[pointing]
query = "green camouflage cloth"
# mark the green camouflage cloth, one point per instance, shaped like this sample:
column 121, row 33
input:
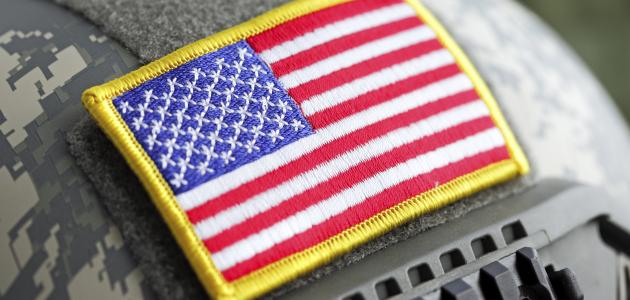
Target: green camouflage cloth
column 56, row 241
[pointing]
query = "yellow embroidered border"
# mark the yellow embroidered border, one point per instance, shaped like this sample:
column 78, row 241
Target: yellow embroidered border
column 97, row 101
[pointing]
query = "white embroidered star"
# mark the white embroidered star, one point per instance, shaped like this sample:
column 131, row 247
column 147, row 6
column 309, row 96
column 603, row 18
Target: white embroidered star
column 257, row 69
column 194, row 132
column 168, row 97
column 239, row 127
column 169, row 144
column 279, row 119
column 238, row 65
column 242, row 110
column 248, row 97
column 252, row 82
column 148, row 95
column 189, row 148
column 178, row 180
column 242, row 53
column 234, row 81
column 270, row 87
column 209, row 154
column 165, row 161
column 227, row 157
column 232, row 141
column 214, row 137
column 216, row 75
column 151, row 141
column 220, row 61
column 224, row 106
column 124, row 106
column 197, row 72
column 162, row 111
column 265, row 102
column 257, row 131
column 275, row 135
column 176, row 130
column 204, row 168
column 137, row 123
column 250, row 146
column 219, row 124
column 284, row 106
column 172, row 83
column 183, row 164
column 297, row 125
column 192, row 86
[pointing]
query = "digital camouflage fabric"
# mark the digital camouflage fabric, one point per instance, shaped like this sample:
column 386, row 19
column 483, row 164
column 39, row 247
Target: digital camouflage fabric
column 57, row 241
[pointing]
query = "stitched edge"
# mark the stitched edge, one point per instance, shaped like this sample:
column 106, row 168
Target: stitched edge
column 299, row 263
column 211, row 43
column 211, row 278
column 257, row 283
column 480, row 86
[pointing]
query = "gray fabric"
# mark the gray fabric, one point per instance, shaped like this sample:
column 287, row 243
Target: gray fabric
column 551, row 109
column 154, row 28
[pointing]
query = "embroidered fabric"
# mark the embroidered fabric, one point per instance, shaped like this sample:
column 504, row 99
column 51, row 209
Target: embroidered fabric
column 211, row 116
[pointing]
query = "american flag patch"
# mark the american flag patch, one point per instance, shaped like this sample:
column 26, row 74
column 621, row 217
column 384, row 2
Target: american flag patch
column 286, row 141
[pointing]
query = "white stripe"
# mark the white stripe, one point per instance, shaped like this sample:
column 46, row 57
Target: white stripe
column 298, row 184
column 357, row 55
column 337, row 204
column 338, row 29
column 220, row 185
column 377, row 80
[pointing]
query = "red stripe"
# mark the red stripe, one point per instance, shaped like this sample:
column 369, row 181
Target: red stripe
column 365, row 210
column 348, row 74
column 345, row 180
column 310, row 56
column 290, row 30
column 362, row 102
column 323, row 154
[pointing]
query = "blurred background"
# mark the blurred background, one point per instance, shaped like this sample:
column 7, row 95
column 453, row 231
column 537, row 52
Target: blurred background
column 599, row 30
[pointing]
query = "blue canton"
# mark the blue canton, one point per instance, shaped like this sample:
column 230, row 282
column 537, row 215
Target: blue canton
column 211, row 115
